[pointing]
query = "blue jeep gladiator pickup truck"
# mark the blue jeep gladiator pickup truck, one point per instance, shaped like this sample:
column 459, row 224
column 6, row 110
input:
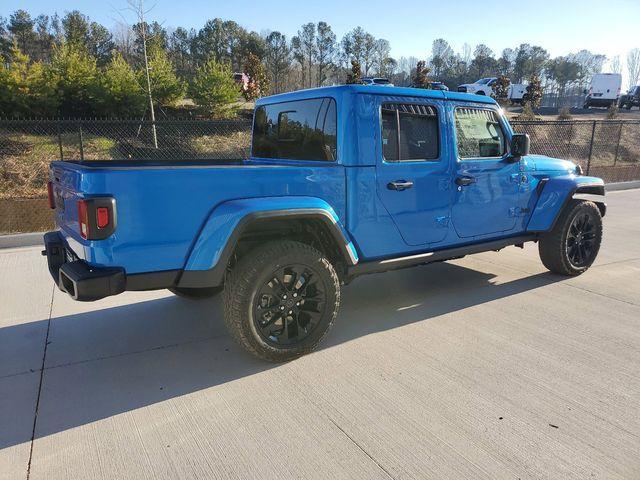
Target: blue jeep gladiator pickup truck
column 341, row 181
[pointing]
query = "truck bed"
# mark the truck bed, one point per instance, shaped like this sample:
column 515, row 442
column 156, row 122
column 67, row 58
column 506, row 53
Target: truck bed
column 162, row 207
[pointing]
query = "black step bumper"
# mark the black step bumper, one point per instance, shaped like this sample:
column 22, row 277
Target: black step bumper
column 76, row 277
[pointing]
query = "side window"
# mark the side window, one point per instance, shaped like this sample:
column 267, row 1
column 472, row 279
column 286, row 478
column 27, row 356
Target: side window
column 300, row 130
column 479, row 133
column 410, row 132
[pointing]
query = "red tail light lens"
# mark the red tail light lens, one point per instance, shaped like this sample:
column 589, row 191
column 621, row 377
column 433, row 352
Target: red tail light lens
column 52, row 200
column 83, row 218
column 102, row 217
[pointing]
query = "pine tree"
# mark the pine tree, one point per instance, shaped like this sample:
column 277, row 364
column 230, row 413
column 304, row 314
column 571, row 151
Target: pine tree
column 213, row 87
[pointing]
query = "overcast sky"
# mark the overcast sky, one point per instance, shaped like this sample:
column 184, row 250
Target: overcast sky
column 561, row 26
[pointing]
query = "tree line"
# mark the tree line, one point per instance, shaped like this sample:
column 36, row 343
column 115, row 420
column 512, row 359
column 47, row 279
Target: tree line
column 73, row 66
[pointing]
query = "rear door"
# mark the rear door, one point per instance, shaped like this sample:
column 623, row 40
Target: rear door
column 413, row 169
column 486, row 179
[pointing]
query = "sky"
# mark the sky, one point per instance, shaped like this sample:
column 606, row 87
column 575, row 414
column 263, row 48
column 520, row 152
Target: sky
column 609, row 27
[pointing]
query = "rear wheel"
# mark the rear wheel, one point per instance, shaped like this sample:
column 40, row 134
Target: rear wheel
column 281, row 299
column 573, row 244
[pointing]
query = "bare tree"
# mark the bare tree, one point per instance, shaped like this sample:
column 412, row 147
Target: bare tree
column 616, row 64
column 137, row 7
column 633, row 67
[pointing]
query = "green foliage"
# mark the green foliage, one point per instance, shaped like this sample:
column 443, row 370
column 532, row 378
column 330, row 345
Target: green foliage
column 213, row 87
column 258, row 81
column 421, row 77
column 74, row 75
column 564, row 71
column 565, row 114
column 166, row 87
column 120, row 93
column 24, row 88
column 533, row 95
column 355, row 76
column 501, row 88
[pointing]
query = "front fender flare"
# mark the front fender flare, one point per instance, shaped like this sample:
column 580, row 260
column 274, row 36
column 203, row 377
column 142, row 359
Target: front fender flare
column 210, row 254
column 557, row 192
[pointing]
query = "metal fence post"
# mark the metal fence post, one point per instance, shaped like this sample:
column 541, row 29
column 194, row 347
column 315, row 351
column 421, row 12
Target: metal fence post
column 593, row 134
column 59, row 140
column 81, row 142
column 615, row 158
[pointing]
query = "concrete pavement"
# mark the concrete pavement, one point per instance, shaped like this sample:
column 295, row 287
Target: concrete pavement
column 484, row 367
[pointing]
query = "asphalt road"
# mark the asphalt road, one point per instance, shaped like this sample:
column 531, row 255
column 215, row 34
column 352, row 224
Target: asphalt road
column 487, row 367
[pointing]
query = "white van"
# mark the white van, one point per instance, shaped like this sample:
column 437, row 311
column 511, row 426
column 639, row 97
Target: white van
column 604, row 90
column 516, row 92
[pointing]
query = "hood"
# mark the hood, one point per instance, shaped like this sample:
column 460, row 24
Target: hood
column 549, row 164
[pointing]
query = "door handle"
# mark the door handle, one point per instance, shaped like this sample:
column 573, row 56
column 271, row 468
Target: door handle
column 465, row 181
column 400, row 185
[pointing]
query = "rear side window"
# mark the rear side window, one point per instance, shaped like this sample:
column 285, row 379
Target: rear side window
column 479, row 133
column 301, row 130
column 409, row 132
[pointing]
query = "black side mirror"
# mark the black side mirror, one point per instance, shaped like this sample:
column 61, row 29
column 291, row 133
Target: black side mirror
column 519, row 145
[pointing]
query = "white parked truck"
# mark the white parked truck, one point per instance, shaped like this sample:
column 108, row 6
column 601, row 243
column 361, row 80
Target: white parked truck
column 516, row 92
column 484, row 86
column 604, row 90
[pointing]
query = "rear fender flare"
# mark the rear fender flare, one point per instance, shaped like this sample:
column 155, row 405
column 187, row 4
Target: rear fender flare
column 210, row 254
column 556, row 194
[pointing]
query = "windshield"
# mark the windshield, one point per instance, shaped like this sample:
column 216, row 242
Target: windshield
column 483, row 81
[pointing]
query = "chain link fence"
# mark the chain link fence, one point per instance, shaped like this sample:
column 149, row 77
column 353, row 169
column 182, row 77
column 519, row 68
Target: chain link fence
column 605, row 148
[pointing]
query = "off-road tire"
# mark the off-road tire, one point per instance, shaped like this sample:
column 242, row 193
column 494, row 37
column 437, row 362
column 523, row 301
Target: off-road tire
column 247, row 277
column 553, row 247
column 195, row 293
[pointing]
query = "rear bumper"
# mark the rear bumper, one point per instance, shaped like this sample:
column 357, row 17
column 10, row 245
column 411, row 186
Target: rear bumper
column 76, row 277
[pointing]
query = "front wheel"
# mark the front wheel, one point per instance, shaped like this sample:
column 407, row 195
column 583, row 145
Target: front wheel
column 573, row 244
column 281, row 299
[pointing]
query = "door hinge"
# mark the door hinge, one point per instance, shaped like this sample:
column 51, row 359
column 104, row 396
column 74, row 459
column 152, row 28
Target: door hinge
column 519, row 178
column 442, row 221
column 519, row 212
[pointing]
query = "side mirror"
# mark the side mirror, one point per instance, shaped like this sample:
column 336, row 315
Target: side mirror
column 519, row 145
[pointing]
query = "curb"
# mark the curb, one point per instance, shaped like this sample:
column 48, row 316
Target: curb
column 612, row 187
column 22, row 240
column 34, row 239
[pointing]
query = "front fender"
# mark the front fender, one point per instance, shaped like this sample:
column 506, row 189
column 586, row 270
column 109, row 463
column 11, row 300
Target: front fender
column 212, row 249
column 557, row 192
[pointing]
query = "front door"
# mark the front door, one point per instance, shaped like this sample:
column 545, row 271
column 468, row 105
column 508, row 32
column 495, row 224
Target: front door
column 413, row 173
column 486, row 179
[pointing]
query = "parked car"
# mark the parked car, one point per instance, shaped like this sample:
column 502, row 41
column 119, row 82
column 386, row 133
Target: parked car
column 341, row 181
column 376, row 81
column 439, row 86
column 630, row 99
column 516, row 92
column 484, row 86
column 603, row 91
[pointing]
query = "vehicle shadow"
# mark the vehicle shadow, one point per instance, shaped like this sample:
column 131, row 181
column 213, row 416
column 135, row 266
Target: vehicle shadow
column 106, row 362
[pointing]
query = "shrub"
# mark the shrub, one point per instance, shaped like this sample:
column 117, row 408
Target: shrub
column 565, row 114
column 421, row 77
column 166, row 87
column 73, row 74
column 533, row 96
column 527, row 113
column 501, row 88
column 213, row 87
column 24, row 88
column 612, row 111
column 355, row 76
column 120, row 94
column 258, row 81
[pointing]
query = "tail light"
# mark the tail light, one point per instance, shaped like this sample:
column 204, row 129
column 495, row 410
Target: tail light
column 97, row 217
column 52, row 200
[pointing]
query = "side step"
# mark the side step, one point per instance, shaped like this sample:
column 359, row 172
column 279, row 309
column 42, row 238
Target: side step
column 387, row 264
